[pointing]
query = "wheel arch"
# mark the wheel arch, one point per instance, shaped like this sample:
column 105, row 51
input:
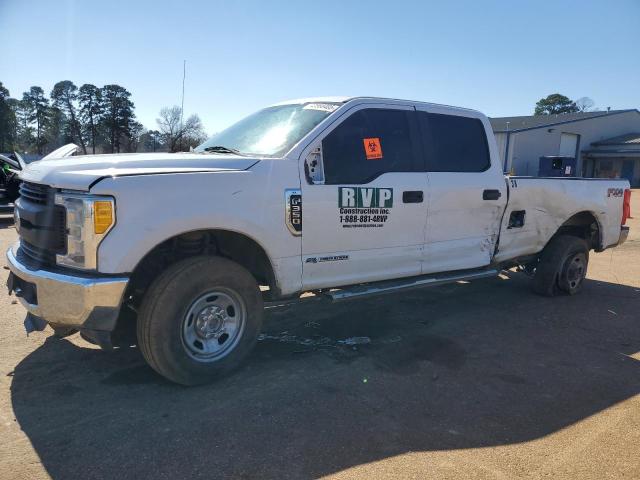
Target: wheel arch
column 584, row 224
column 237, row 246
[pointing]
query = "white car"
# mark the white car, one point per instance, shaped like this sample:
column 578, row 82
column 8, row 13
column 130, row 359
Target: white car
column 343, row 197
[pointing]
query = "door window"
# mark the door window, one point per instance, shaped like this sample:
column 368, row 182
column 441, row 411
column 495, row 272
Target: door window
column 454, row 143
column 367, row 144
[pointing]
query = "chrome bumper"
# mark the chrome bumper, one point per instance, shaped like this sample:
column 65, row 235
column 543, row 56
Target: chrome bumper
column 624, row 233
column 82, row 301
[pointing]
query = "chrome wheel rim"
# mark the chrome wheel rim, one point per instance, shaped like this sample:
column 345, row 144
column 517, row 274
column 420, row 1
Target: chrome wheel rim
column 213, row 325
column 575, row 271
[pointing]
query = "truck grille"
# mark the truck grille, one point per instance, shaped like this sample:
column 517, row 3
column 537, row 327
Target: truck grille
column 43, row 231
column 38, row 255
column 34, row 192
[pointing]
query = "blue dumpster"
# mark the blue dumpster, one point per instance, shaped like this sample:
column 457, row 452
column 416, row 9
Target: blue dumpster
column 557, row 166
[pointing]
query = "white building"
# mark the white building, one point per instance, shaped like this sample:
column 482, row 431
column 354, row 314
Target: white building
column 605, row 144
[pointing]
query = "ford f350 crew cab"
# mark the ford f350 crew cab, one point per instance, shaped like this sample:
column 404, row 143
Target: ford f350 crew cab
column 343, row 197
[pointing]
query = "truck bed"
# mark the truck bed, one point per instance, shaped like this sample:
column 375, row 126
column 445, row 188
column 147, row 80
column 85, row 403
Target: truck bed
column 549, row 202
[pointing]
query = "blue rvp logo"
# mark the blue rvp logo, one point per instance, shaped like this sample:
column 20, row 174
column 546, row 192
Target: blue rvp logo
column 361, row 197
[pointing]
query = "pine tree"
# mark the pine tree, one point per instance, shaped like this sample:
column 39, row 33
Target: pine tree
column 90, row 100
column 7, row 121
column 555, row 103
column 63, row 97
column 117, row 115
column 37, row 107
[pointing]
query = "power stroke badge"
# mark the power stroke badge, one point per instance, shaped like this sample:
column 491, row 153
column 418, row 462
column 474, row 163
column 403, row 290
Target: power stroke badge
column 364, row 207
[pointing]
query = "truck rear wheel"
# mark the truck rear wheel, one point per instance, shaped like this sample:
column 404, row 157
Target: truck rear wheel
column 199, row 319
column 562, row 267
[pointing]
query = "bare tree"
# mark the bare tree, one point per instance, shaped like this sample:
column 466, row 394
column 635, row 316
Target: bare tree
column 585, row 104
column 176, row 133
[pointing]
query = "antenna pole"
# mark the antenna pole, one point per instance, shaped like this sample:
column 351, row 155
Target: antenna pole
column 184, row 74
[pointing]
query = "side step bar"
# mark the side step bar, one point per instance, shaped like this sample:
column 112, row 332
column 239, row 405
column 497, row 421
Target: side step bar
column 391, row 286
column 385, row 286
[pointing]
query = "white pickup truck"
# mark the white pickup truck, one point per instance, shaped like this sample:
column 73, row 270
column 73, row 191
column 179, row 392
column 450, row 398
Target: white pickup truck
column 343, row 197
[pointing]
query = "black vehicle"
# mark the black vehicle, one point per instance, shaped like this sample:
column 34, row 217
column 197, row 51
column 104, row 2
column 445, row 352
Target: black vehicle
column 10, row 169
column 12, row 164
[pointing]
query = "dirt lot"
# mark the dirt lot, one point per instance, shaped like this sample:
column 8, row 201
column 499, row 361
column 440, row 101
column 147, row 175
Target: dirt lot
column 481, row 380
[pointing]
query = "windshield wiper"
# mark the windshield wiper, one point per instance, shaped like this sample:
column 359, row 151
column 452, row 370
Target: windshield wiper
column 222, row 149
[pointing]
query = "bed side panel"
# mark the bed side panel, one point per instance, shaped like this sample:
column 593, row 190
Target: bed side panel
column 550, row 202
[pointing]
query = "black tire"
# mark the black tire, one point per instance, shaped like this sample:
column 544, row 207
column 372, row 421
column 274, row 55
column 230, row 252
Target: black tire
column 162, row 320
column 562, row 266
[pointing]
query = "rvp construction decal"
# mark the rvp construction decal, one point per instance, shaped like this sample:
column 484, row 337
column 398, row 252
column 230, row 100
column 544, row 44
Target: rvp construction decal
column 362, row 197
column 364, row 207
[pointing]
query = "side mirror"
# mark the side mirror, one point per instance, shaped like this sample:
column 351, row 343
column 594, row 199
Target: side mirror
column 313, row 167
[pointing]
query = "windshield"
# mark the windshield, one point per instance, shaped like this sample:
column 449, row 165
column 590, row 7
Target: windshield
column 271, row 131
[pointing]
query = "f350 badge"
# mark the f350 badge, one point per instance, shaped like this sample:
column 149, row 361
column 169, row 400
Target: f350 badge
column 293, row 210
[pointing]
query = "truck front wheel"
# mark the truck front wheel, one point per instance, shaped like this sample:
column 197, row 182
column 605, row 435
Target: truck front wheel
column 562, row 266
column 199, row 319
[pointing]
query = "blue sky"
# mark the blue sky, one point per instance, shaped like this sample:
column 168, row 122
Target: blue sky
column 499, row 57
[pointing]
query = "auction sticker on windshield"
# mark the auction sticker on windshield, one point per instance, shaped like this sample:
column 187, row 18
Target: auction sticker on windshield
column 323, row 107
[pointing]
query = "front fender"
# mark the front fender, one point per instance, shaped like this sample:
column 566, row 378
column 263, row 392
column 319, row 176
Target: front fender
column 153, row 208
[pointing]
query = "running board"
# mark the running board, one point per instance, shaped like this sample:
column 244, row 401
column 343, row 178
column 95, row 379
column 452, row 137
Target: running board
column 391, row 286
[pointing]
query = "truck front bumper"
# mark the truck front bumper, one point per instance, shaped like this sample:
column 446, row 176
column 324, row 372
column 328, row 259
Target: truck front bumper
column 80, row 301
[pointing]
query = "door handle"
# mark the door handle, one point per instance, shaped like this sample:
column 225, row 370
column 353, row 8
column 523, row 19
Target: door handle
column 412, row 196
column 491, row 195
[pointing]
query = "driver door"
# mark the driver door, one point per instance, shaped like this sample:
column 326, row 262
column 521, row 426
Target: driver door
column 363, row 196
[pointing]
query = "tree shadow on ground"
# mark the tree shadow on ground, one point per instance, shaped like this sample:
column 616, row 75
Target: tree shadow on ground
column 460, row 366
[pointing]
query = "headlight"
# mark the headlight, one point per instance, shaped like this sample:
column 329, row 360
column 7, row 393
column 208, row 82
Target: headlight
column 89, row 219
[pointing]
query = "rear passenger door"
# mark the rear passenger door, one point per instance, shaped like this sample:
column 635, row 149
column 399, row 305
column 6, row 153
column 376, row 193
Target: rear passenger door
column 467, row 194
column 364, row 210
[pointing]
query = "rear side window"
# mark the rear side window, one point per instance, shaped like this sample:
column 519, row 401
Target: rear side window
column 367, row 144
column 454, row 143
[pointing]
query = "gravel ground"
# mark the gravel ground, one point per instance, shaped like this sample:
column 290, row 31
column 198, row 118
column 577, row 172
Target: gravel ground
column 479, row 380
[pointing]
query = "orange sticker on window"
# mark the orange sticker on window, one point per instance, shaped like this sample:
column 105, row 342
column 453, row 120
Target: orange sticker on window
column 372, row 148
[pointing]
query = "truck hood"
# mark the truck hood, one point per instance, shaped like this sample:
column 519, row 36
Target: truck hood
column 79, row 173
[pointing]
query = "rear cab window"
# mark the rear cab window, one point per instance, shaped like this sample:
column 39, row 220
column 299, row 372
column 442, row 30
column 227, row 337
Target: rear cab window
column 454, row 143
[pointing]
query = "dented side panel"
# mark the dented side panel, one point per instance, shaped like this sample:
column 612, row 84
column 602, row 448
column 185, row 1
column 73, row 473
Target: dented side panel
column 549, row 203
column 463, row 223
column 462, row 228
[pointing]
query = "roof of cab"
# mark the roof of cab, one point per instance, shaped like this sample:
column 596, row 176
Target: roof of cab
column 343, row 99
